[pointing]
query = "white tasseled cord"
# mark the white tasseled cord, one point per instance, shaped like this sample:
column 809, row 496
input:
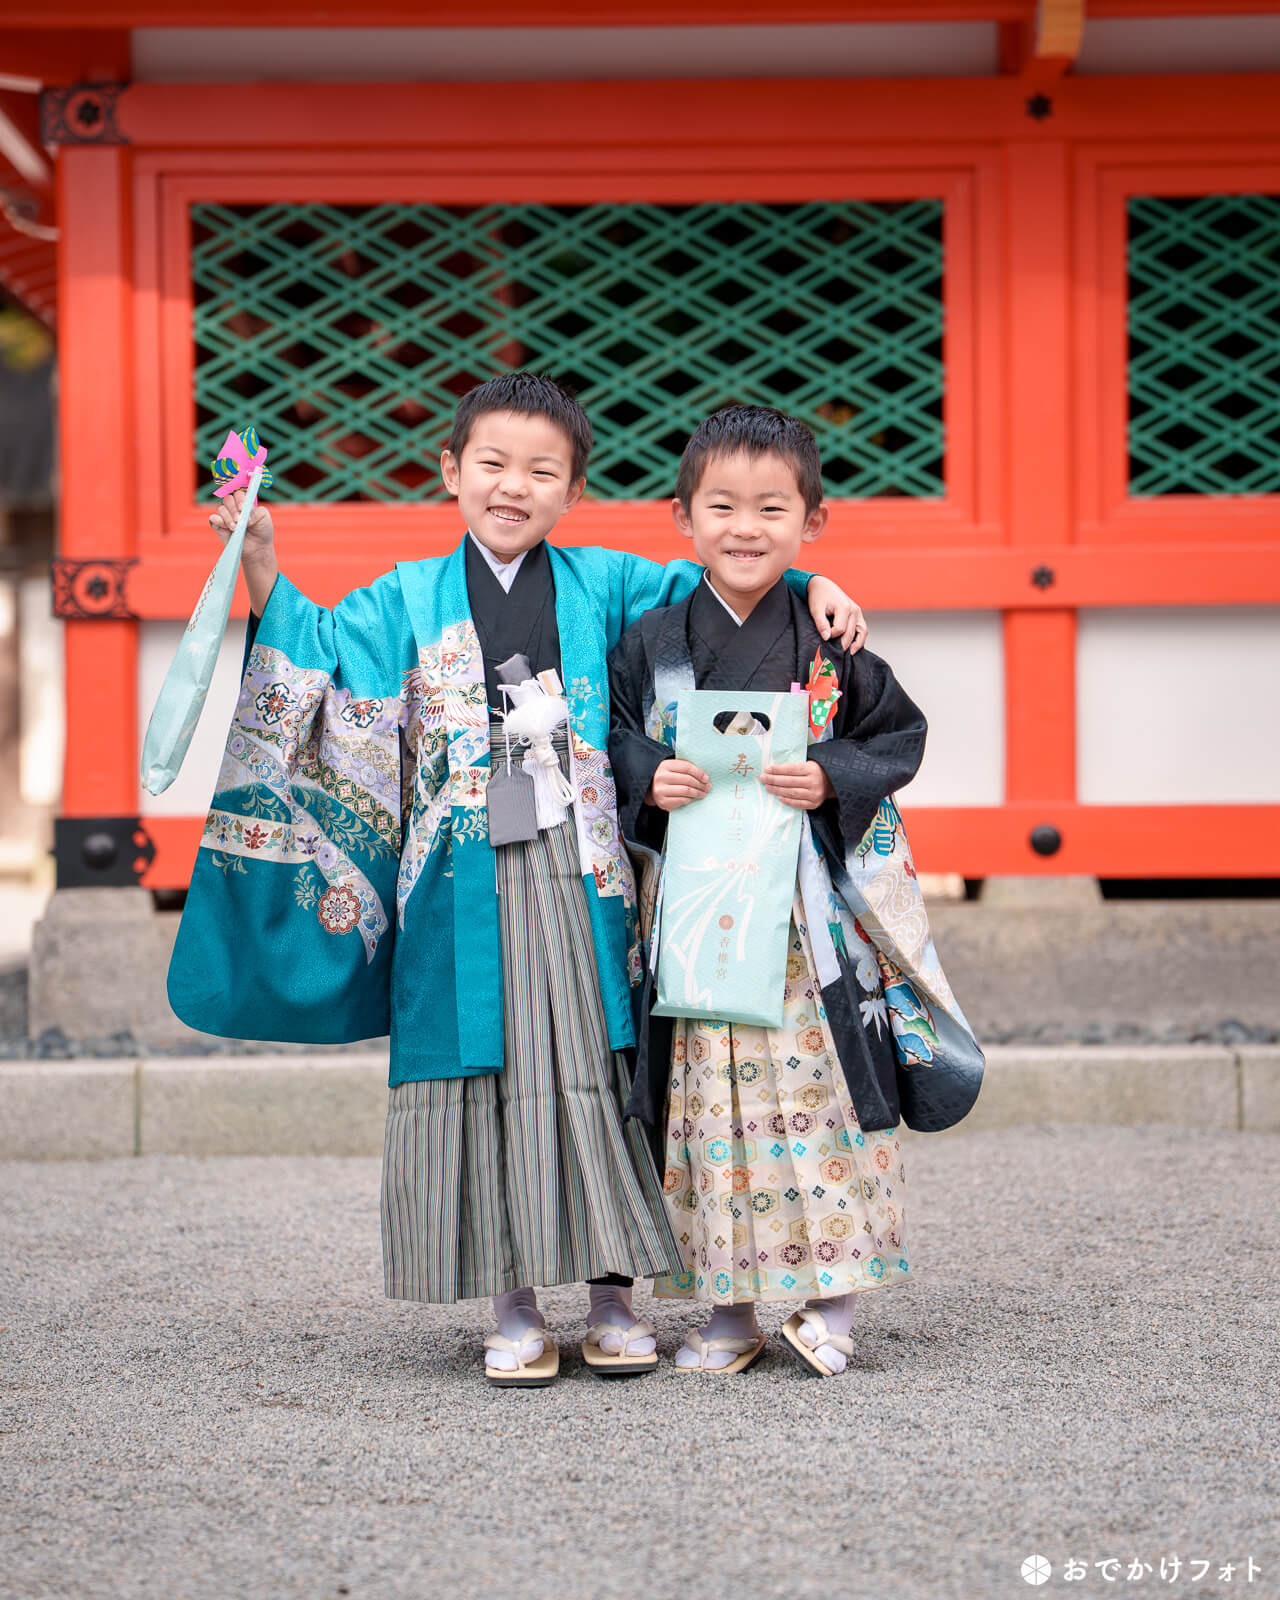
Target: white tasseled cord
column 532, row 718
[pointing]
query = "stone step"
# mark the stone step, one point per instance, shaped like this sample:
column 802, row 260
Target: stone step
column 331, row 1105
column 1044, row 972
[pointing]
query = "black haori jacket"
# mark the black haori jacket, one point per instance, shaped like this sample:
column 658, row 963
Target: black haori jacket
column 903, row 1044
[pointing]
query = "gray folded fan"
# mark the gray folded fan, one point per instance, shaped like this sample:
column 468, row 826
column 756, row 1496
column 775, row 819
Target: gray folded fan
column 186, row 684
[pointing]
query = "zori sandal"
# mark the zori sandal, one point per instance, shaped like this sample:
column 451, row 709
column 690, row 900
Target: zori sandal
column 745, row 1352
column 622, row 1365
column 809, row 1353
column 535, row 1374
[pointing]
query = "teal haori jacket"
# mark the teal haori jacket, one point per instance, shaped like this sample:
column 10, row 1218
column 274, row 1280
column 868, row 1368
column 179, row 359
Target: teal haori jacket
column 345, row 884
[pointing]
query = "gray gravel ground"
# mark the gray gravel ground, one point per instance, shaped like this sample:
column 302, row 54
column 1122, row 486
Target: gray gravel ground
column 204, row 1394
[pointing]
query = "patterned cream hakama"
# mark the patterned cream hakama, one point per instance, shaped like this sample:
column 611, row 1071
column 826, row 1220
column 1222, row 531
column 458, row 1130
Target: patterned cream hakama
column 526, row 1177
column 773, row 1190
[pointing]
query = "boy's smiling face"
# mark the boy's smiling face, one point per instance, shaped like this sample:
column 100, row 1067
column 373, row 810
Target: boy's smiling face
column 747, row 520
column 513, row 480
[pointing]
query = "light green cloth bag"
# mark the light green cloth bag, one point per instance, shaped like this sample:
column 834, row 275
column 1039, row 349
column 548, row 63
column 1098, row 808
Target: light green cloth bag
column 186, row 684
column 730, row 876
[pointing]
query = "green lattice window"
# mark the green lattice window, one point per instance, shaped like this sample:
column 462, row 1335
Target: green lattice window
column 1204, row 345
column 346, row 334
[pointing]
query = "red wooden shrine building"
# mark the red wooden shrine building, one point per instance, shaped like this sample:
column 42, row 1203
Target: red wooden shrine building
column 1018, row 264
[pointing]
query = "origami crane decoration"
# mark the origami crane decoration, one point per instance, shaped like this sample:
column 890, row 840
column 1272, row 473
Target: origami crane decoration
column 241, row 465
column 822, row 692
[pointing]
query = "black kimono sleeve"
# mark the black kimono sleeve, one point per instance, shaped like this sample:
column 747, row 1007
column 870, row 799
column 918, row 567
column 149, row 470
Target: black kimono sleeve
column 635, row 758
column 875, row 750
column 633, row 755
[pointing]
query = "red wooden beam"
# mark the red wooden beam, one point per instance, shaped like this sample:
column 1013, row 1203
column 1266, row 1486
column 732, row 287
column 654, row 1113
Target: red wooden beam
column 503, row 13
column 694, row 125
column 86, row 15
column 883, row 577
column 62, row 55
column 981, row 841
column 1227, row 841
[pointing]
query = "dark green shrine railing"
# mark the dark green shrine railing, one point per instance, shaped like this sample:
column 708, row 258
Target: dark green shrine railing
column 1204, row 345
column 347, row 333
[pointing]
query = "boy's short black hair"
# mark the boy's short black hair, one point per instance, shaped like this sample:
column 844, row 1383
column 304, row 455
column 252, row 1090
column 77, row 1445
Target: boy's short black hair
column 528, row 394
column 752, row 431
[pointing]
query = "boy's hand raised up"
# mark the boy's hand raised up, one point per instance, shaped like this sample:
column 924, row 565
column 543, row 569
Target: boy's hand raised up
column 675, row 784
column 259, row 560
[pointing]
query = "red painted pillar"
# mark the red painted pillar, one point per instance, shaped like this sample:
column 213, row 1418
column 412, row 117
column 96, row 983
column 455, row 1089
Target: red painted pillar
column 1039, row 642
column 97, row 467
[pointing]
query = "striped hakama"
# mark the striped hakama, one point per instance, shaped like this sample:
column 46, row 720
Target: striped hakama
column 528, row 1176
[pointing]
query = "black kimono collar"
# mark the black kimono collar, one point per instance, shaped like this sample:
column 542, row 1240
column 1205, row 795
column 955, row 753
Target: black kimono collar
column 671, row 644
column 483, row 584
column 772, row 610
column 518, row 621
column 729, row 655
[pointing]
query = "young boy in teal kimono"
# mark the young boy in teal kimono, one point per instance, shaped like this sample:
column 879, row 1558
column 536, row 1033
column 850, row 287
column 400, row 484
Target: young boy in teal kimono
column 347, row 887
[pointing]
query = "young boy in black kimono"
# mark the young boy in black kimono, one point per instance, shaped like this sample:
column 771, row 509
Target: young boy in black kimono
column 783, row 1167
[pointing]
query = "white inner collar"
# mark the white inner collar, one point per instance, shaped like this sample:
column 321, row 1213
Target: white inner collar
column 503, row 571
column 706, row 578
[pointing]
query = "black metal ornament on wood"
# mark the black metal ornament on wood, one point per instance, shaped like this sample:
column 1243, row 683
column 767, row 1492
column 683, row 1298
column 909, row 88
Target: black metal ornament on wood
column 92, row 589
column 82, row 114
column 101, row 852
column 1046, row 840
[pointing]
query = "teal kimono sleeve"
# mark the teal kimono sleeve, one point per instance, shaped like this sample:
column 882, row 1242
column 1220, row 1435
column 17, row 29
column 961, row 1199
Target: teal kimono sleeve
column 286, row 932
column 646, row 585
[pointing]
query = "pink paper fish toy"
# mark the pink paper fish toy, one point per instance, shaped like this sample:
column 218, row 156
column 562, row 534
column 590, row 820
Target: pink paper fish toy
column 240, row 454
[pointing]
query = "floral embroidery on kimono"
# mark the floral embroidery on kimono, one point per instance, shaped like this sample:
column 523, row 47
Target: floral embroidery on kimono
column 332, row 791
column 356, row 775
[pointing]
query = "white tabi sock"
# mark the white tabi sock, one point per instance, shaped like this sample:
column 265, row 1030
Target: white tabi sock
column 609, row 1303
column 517, row 1314
column 727, row 1322
column 838, row 1316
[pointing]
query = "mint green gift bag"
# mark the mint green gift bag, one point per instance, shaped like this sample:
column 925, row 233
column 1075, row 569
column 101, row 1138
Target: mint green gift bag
column 186, row 684
column 727, row 891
